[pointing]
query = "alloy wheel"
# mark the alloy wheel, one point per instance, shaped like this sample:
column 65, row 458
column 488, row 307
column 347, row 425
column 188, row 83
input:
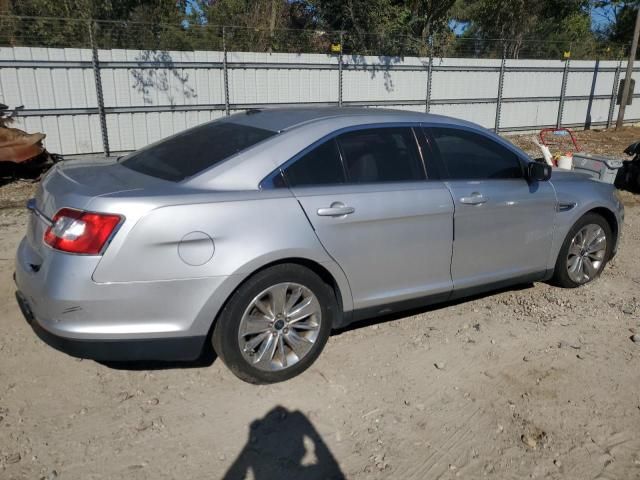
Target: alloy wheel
column 280, row 326
column 586, row 253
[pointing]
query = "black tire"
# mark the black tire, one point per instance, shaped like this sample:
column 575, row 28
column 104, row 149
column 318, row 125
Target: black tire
column 561, row 276
column 225, row 334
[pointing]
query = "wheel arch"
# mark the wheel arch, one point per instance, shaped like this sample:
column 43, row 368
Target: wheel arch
column 604, row 215
column 335, row 279
column 312, row 265
column 610, row 218
column 566, row 220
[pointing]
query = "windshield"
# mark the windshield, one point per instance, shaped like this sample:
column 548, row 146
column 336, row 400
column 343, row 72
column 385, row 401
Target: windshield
column 194, row 150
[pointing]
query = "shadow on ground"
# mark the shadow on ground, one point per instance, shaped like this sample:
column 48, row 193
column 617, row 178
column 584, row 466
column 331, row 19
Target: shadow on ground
column 206, row 359
column 282, row 445
column 208, row 356
column 429, row 308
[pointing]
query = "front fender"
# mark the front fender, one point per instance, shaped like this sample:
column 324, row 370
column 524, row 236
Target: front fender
column 577, row 198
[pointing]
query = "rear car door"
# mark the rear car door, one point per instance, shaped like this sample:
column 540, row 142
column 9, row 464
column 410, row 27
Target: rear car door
column 389, row 228
column 503, row 224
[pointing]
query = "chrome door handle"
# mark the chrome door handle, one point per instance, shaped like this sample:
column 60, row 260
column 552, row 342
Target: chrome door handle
column 336, row 209
column 475, row 199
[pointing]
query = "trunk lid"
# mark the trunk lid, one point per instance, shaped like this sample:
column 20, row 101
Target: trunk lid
column 74, row 184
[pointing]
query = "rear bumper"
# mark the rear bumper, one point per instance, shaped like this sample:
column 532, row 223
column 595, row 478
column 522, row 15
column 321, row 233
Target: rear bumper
column 114, row 350
column 165, row 320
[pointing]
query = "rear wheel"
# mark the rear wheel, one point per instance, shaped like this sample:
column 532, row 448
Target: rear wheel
column 276, row 324
column 585, row 252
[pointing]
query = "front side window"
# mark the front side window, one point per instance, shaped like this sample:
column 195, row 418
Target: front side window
column 381, row 155
column 194, row 150
column 471, row 156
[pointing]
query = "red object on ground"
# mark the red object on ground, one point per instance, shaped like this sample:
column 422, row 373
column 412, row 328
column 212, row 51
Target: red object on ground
column 554, row 136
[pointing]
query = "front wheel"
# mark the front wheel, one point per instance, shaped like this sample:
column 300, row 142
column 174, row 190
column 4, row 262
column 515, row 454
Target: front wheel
column 585, row 251
column 276, row 324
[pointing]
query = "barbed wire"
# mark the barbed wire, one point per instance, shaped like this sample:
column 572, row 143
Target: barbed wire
column 26, row 31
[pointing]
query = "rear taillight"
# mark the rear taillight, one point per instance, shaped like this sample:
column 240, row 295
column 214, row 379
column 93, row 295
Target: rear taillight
column 76, row 231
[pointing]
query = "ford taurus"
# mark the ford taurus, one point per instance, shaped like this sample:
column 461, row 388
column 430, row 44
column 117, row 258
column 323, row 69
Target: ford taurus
column 263, row 231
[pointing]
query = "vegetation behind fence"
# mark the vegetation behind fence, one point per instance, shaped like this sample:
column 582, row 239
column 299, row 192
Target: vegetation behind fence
column 110, row 34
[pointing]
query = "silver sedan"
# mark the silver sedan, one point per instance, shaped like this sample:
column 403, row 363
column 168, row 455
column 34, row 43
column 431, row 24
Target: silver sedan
column 263, row 231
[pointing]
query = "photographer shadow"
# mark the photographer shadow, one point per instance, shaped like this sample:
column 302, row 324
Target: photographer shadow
column 284, row 444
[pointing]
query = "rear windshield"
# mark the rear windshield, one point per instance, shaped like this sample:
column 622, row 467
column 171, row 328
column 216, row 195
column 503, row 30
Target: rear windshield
column 194, row 150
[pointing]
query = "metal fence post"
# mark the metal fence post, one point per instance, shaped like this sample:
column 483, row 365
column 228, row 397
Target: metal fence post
column 565, row 75
column 427, row 102
column 496, row 127
column 95, row 61
column 614, row 93
column 594, row 79
column 225, row 72
column 340, row 71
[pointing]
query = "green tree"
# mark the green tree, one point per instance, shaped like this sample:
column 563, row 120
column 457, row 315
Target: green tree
column 391, row 27
column 64, row 23
column 261, row 25
column 545, row 28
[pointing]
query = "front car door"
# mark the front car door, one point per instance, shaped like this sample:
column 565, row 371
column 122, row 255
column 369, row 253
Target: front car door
column 503, row 224
column 366, row 195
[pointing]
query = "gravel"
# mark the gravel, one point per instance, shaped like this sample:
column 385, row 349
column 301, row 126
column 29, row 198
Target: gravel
column 374, row 406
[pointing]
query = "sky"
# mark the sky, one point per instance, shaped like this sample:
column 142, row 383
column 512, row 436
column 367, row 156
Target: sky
column 600, row 17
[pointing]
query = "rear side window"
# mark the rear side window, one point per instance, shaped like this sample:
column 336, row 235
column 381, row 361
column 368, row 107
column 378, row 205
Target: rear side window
column 470, row 156
column 194, row 150
column 381, row 155
column 320, row 166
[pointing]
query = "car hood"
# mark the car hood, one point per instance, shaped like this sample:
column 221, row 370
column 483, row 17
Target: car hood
column 561, row 175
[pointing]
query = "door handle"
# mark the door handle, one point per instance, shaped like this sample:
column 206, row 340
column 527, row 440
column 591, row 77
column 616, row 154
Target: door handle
column 475, row 199
column 337, row 209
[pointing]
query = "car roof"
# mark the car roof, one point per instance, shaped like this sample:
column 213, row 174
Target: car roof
column 280, row 119
column 298, row 128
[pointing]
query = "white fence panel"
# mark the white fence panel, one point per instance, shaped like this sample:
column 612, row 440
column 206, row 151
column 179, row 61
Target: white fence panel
column 148, row 95
column 480, row 113
column 371, row 78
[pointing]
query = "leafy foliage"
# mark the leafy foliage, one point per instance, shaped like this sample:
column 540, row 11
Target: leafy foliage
column 517, row 28
column 545, row 28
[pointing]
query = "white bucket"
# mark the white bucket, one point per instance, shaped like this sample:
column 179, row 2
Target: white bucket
column 565, row 162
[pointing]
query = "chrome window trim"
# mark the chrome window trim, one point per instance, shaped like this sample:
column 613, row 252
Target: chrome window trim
column 267, row 182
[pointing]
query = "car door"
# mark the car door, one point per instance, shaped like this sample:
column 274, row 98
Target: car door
column 386, row 225
column 503, row 224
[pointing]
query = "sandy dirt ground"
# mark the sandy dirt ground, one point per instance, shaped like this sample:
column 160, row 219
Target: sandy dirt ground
column 531, row 382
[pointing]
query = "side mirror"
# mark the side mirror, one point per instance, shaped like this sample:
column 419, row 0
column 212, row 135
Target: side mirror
column 538, row 172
